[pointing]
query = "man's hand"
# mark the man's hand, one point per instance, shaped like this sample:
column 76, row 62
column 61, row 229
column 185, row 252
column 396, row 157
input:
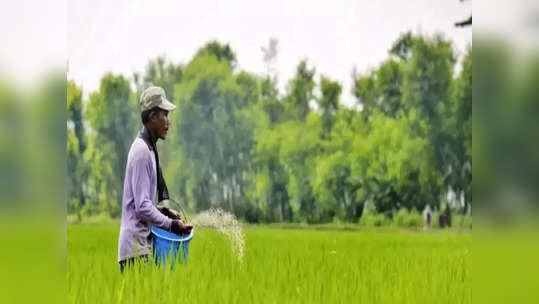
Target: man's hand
column 174, row 215
column 170, row 213
column 178, row 227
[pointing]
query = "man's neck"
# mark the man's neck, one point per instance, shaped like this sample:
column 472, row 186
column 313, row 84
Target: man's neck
column 153, row 138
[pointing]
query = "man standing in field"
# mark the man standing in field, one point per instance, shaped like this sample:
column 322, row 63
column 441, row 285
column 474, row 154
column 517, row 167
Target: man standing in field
column 144, row 185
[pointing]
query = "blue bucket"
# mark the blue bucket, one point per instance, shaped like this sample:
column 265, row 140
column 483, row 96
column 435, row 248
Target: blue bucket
column 168, row 245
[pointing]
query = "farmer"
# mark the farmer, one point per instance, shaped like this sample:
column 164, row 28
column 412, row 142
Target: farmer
column 144, row 185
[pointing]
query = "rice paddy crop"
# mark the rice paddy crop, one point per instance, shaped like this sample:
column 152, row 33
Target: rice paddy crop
column 279, row 266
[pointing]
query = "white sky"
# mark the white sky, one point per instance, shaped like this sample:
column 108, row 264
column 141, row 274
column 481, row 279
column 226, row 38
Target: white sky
column 513, row 21
column 33, row 39
column 335, row 36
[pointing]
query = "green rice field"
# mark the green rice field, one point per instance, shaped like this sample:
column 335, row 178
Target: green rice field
column 279, row 266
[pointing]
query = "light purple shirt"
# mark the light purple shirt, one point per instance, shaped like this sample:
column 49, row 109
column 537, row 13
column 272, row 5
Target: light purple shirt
column 138, row 205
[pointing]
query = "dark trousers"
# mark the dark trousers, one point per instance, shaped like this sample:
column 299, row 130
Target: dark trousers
column 133, row 261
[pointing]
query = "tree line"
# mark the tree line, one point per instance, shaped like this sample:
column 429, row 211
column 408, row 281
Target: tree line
column 238, row 142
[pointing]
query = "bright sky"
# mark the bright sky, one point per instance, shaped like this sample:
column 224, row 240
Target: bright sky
column 335, row 36
column 33, row 39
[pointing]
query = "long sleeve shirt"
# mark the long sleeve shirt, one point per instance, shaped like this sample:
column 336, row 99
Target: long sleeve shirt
column 138, row 204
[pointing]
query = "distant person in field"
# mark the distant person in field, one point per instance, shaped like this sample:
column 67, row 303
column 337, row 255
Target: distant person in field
column 144, row 185
column 427, row 217
column 444, row 219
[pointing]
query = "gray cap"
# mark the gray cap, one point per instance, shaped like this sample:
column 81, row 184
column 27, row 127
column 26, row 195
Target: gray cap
column 155, row 97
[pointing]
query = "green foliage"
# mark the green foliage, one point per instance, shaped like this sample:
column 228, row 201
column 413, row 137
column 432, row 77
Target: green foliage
column 76, row 146
column 222, row 52
column 159, row 72
column 428, row 75
column 460, row 129
column 237, row 143
column 371, row 218
column 402, row 48
column 380, row 90
column 463, row 221
column 301, row 92
column 111, row 115
column 329, row 102
column 392, row 166
column 417, row 87
column 214, row 132
column 408, row 219
column 298, row 149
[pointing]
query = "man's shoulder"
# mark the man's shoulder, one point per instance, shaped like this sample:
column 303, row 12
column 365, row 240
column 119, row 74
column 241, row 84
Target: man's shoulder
column 139, row 149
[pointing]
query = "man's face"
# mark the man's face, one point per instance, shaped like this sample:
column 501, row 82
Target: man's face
column 159, row 123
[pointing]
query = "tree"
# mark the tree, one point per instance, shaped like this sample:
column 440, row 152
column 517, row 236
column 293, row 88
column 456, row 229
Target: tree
column 301, row 91
column 391, row 165
column 269, row 99
column 426, row 99
column 364, row 91
column 159, row 72
column 403, row 47
column 329, row 103
column 333, row 185
column 299, row 146
column 460, row 130
column 76, row 146
column 214, row 130
column 271, row 179
column 380, row 89
column 238, row 144
column 223, row 52
column 112, row 117
column 464, row 23
column 270, row 55
column 388, row 88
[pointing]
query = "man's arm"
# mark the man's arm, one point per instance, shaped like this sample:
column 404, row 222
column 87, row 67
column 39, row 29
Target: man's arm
column 140, row 183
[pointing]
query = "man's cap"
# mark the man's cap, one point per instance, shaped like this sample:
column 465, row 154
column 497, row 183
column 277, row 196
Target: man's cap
column 155, row 97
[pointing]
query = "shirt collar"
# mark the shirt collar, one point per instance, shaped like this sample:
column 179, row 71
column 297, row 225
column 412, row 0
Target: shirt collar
column 148, row 138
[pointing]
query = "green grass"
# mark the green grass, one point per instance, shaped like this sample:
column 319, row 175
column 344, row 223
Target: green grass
column 280, row 266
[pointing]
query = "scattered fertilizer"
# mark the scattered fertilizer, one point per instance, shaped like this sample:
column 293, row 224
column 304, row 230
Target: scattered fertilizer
column 227, row 224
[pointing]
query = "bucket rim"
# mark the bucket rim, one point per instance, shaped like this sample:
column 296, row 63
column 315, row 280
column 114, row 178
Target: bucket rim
column 180, row 239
